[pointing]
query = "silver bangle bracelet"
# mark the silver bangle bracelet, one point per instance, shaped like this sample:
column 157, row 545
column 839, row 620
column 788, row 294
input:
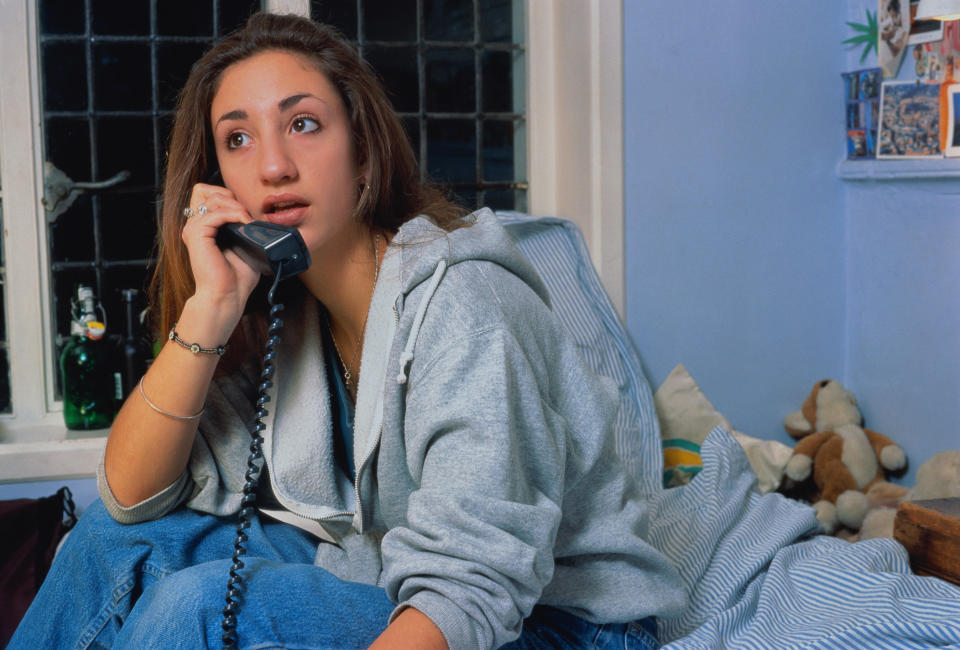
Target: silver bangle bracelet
column 183, row 418
column 195, row 348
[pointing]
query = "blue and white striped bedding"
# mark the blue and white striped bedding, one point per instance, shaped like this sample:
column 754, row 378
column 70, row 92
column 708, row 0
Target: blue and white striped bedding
column 757, row 573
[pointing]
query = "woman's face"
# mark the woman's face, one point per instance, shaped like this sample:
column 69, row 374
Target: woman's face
column 285, row 150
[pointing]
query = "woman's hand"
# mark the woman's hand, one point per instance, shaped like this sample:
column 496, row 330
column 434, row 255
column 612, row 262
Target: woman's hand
column 221, row 277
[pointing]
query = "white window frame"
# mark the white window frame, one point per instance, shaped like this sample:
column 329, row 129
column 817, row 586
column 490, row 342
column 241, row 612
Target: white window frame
column 574, row 169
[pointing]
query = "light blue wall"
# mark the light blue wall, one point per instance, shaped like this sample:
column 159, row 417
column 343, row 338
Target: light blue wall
column 748, row 260
column 904, row 311
column 735, row 230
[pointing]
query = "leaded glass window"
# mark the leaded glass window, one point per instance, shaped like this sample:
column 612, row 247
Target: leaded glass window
column 454, row 70
column 110, row 71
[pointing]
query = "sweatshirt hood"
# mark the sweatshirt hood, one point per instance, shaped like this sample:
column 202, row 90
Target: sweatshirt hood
column 426, row 248
column 428, row 251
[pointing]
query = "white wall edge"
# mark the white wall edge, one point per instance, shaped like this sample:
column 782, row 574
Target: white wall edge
column 575, row 125
column 299, row 7
column 50, row 460
column 23, row 215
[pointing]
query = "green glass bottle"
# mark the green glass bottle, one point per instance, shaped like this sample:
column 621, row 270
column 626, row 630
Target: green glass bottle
column 86, row 369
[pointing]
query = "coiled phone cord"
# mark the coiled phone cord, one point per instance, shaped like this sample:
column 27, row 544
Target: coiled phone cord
column 247, row 503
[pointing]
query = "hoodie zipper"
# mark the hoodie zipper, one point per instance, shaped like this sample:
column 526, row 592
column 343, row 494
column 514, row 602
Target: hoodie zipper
column 370, row 448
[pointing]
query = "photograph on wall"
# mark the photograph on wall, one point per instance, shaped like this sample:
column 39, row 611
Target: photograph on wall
column 860, row 144
column 894, row 31
column 909, row 120
column 923, row 31
column 869, row 83
column 863, row 113
column 953, row 114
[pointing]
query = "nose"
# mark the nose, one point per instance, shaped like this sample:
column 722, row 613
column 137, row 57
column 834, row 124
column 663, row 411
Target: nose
column 276, row 163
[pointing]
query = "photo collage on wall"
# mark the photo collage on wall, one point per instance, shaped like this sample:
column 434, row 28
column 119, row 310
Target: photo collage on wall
column 908, row 113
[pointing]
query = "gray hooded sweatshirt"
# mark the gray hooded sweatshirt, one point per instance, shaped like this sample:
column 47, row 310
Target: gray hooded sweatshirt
column 486, row 476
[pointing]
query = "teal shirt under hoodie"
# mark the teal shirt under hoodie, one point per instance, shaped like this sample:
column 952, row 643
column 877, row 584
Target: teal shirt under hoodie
column 487, row 480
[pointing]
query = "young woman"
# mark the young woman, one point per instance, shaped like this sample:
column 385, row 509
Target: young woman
column 438, row 465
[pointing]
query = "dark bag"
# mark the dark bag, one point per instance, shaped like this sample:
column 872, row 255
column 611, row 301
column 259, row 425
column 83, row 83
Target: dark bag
column 30, row 530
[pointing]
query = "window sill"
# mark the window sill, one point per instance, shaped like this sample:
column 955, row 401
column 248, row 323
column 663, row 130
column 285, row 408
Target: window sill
column 52, row 456
column 899, row 170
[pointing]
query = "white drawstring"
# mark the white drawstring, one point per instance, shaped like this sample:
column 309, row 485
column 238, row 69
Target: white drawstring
column 406, row 357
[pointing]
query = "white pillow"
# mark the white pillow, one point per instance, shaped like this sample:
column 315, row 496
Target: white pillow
column 685, row 414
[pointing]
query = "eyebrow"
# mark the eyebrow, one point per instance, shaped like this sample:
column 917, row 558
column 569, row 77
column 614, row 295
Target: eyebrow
column 283, row 105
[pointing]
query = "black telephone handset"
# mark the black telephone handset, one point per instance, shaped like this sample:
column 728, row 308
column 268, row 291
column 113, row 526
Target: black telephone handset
column 277, row 251
column 280, row 252
column 263, row 245
column 266, row 247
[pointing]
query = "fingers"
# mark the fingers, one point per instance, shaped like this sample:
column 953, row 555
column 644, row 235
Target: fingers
column 209, row 208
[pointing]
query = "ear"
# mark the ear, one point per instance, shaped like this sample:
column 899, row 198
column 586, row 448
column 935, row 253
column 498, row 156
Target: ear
column 797, row 425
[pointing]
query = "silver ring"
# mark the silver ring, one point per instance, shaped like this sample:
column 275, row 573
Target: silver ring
column 202, row 209
column 188, row 212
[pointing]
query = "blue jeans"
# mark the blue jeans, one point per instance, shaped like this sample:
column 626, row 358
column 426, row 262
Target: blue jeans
column 162, row 584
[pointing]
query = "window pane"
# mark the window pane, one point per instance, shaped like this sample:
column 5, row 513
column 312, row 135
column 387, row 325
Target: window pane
column 128, row 221
column 67, row 145
column 498, row 82
column 397, row 67
column 448, row 20
column 71, row 235
column 128, row 63
column 234, row 13
column 65, row 84
column 389, row 20
column 451, row 80
column 498, row 151
column 452, row 151
column 498, row 20
column 185, row 17
column 412, row 127
column 126, row 143
column 427, row 84
column 120, row 17
column 62, row 17
column 174, row 61
column 341, row 14
column 505, row 200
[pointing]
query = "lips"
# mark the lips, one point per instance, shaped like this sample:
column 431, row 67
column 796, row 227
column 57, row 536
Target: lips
column 285, row 209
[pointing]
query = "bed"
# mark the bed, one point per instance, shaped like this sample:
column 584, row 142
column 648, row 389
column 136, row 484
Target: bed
column 758, row 573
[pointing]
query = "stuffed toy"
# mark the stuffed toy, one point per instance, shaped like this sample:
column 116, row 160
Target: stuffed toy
column 842, row 459
column 937, row 478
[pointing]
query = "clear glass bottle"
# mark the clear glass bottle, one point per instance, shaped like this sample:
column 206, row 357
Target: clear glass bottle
column 133, row 351
column 86, row 369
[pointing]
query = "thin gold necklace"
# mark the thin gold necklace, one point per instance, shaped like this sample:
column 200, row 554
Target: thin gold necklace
column 348, row 370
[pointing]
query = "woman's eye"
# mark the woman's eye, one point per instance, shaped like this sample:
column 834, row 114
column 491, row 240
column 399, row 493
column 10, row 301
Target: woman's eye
column 236, row 140
column 304, row 125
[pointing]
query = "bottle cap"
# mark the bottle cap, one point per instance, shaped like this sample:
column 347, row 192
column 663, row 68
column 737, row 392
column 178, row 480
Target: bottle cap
column 95, row 330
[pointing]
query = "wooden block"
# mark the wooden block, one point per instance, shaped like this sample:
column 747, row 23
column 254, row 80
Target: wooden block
column 930, row 531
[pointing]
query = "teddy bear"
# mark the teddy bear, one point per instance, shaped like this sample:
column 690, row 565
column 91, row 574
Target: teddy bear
column 843, row 459
column 937, row 478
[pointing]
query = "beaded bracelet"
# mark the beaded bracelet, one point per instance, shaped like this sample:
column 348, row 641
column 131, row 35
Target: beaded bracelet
column 162, row 412
column 195, row 348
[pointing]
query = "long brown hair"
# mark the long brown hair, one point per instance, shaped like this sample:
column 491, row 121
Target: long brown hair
column 394, row 192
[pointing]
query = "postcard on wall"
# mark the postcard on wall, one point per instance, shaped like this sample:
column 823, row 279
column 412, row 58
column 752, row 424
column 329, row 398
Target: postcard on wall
column 952, row 117
column 909, row 120
column 894, row 31
column 923, row 31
